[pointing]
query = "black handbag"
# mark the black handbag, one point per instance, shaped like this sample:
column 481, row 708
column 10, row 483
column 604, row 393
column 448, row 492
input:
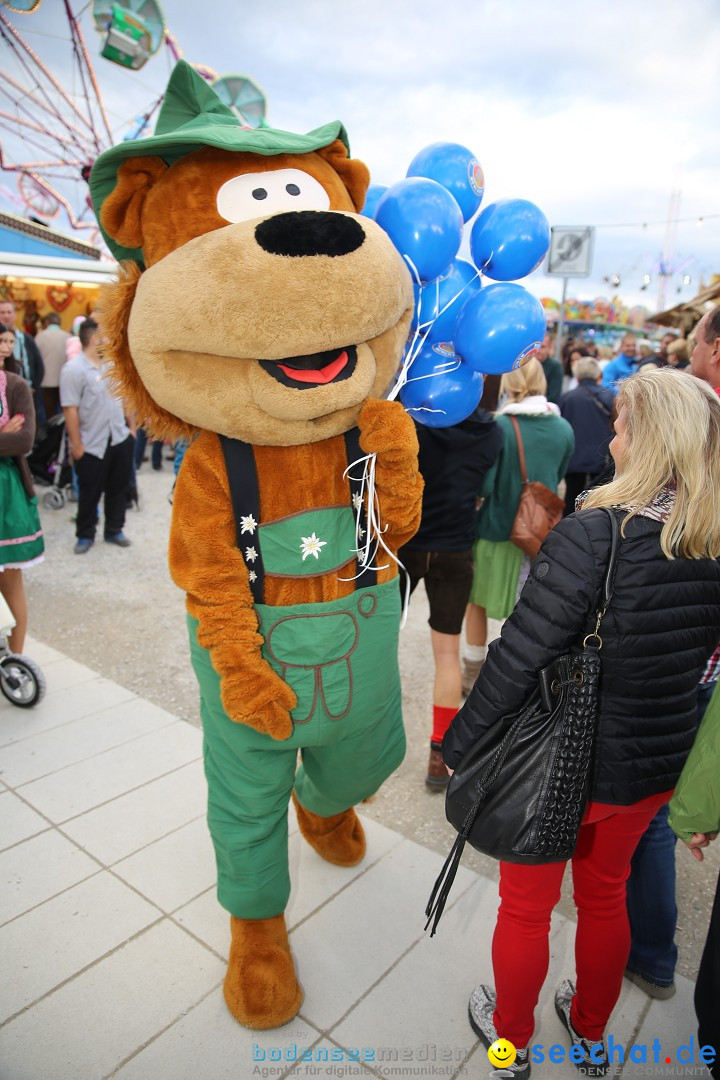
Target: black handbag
column 519, row 794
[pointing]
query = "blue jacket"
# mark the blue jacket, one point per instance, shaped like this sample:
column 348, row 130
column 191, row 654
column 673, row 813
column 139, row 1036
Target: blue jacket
column 617, row 370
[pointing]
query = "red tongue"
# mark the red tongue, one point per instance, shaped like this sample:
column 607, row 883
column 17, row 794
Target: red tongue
column 319, row 375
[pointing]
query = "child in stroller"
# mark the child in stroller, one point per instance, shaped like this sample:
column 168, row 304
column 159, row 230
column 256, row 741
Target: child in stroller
column 49, row 463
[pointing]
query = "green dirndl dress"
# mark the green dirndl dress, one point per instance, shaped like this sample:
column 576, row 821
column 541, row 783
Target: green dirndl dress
column 21, row 538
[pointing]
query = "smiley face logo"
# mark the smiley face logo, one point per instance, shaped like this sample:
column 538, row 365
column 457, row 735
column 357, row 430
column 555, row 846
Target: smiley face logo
column 502, row 1053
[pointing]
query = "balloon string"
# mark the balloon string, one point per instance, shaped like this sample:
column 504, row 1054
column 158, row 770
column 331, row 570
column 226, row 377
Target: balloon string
column 417, row 343
column 442, row 369
column 425, row 408
column 367, row 552
column 451, row 302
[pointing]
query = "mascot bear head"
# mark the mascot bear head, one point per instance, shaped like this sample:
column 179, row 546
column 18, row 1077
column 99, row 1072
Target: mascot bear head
column 254, row 300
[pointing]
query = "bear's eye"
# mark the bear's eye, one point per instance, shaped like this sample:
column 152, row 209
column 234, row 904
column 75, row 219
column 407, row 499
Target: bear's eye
column 254, row 195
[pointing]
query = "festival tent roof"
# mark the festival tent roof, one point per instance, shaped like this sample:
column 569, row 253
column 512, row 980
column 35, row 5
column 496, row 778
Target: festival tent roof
column 685, row 316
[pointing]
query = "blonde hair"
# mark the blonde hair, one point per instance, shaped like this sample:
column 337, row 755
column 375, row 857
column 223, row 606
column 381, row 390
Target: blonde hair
column 524, row 381
column 673, row 435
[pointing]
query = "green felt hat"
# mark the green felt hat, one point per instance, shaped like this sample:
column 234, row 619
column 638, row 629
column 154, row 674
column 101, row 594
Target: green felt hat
column 193, row 116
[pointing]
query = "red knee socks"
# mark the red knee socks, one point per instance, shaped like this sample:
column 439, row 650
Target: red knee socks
column 442, row 718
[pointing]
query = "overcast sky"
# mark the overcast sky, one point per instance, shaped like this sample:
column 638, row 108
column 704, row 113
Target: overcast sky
column 596, row 111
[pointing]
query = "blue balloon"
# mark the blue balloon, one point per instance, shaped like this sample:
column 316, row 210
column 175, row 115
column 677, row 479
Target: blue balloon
column 450, row 393
column 374, row 194
column 455, row 287
column 500, row 328
column 424, row 222
column 509, row 239
column 457, row 169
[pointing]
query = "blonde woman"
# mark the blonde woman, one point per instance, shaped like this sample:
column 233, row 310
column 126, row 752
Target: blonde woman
column 548, row 442
column 662, row 625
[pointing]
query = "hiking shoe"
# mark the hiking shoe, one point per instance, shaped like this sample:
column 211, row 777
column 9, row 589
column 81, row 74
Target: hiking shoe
column 83, row 545
column 481, row 1008
column 470, row 671
column 595, row 1062
column 119, row 539
column 438, row 777
column 653, row 990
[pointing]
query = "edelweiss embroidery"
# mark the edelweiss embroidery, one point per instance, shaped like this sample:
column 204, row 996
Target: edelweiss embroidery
column 312, row 545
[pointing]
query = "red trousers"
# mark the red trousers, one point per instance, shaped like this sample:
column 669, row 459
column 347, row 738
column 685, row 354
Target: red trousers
column 600, row 868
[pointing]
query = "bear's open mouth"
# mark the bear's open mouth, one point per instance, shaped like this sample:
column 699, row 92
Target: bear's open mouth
column 313, row 369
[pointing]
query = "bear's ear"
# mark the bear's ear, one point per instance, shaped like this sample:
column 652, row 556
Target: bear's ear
column 354, row 173
column 120, row 215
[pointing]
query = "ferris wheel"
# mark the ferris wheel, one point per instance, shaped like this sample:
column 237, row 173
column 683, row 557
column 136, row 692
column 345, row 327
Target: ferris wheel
column 54, row 116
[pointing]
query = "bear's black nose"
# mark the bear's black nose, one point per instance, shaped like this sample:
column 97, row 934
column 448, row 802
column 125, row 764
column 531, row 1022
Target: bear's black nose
column 309, row 232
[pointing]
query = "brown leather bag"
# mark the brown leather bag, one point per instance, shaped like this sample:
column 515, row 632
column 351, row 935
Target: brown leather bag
column 538, row 510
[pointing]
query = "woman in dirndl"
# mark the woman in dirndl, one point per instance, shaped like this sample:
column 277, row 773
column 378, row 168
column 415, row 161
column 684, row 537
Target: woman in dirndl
column 500, row 566
column 21, row 539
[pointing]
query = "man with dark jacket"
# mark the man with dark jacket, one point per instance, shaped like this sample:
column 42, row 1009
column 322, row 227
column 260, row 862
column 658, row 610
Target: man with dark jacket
column 552, row 370
column 453, row 462
column 26, row 351
column 588, row 409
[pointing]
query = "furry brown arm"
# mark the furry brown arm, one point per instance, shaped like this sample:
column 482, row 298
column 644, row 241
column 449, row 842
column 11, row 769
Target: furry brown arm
column 387, row 430
column 206, row 563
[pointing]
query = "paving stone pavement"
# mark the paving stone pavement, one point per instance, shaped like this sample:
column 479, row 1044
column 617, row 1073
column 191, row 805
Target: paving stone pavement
column 114, row 946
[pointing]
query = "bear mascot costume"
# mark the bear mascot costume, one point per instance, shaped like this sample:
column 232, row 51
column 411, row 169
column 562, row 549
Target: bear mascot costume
column 260, row 317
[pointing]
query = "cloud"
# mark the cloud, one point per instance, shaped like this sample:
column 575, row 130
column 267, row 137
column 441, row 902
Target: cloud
column 597, row 110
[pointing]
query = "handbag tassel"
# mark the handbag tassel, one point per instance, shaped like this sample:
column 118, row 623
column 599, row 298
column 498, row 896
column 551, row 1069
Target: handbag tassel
column 446, row 877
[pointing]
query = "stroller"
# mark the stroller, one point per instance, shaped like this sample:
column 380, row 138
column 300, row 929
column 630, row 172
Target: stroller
column 21, row 680
column 49, row 463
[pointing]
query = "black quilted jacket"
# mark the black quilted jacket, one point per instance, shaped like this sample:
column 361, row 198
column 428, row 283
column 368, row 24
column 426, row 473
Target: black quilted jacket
column 661, row 627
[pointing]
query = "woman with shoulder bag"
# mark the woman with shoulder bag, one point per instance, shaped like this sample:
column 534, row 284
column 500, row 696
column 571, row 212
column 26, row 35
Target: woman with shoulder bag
column 547, row 445
column 662, row 624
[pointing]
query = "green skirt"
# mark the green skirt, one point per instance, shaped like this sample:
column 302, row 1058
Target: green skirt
column 21, row 539
column 495, row 581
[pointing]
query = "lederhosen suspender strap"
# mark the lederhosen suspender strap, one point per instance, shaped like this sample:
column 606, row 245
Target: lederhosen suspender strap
column 354, row 453
column 245, row 497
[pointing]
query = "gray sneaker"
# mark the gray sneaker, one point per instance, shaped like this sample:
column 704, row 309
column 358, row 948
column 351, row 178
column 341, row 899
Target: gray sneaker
column 595, row 1062
column 480, row 1014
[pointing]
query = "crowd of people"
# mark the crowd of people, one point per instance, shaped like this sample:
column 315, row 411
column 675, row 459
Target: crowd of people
column 638, row 433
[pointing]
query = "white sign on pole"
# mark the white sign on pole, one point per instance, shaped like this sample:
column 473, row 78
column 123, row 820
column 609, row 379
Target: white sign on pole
column 571, row 250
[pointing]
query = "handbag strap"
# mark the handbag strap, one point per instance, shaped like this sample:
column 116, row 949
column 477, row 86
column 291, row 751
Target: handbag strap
column 521, row 449
column 608, row 581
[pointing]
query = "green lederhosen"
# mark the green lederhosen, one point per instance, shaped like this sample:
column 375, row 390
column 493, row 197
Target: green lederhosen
column 340, row 657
